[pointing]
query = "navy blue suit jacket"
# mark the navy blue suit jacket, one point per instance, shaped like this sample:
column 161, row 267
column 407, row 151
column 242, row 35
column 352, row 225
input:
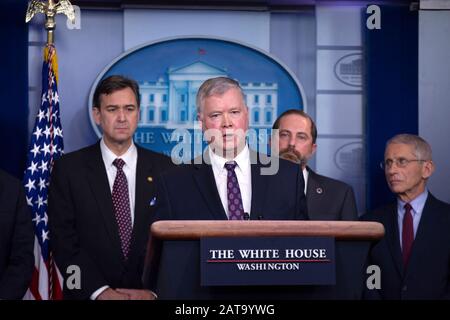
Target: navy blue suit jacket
column 82, row 222
column 329, row 199
column 16, row 239
column 427, row 275
column 189, row 192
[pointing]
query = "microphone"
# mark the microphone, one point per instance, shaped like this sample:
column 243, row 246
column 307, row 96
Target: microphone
column 246, row 216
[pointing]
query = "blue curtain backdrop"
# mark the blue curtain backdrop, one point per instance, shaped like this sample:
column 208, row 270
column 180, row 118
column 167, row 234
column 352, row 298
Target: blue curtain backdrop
column 13, row 86
column 391, row 89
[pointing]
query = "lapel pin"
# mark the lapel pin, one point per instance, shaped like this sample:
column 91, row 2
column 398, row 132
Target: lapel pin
column 150, row 179
column 319, row 190
column 153, row 202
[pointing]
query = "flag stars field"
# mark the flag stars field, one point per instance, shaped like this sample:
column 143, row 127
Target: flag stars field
column 30, row 185
column 37, row 133
column 32, row 167
column 47, row 146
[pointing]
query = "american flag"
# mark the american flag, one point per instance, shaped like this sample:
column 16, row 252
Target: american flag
column 45, row 147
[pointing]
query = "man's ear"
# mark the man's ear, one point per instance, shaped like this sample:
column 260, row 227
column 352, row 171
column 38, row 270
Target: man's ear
column 273, row 141
column 96, row 115
column 200, row 120
column 427, row 169
column 314, row 148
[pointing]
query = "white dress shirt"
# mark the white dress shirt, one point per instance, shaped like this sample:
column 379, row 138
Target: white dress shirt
column 305, row 177
column 243, row 174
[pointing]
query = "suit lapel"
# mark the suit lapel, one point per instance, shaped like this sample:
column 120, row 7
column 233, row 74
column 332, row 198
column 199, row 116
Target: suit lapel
column 259, row 189
column 392, row 237
column 204, row 178
column 144, row 187
column 424, row 232
column 98, row 181
column 311, row 191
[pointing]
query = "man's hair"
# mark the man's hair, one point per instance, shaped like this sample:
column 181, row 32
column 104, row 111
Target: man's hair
column 112, row 84
column 422, row 149
column 301, row 113
column 216, row 86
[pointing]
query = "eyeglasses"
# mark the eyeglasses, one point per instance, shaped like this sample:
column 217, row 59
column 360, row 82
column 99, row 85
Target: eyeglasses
column 400, row 162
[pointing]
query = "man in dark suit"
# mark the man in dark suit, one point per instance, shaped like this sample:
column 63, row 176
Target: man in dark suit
column 101, row 200
column 229, row 181
column 414, row 255
column 16, row 239
column 295, row 135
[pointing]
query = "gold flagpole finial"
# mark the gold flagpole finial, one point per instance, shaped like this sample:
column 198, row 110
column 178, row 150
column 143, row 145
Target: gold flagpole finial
column 50, row 9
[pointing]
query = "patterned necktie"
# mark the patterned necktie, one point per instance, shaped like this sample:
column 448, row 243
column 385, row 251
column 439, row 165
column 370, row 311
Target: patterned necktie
column 121, row 203
column 407, row 234
column 235, row 207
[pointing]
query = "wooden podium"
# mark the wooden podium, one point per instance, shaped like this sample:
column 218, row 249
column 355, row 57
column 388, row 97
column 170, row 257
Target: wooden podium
column 172, row 264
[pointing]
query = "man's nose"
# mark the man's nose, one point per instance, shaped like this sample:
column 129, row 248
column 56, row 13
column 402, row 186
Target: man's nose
column 226, row 121
column 392, row 169
column 292, row 141
column 121, row 115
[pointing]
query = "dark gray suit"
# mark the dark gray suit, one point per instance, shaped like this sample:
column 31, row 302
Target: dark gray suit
column 427, row 275
column 82, row 222
column 189, row 192
column 16, row 239
column 329, row 199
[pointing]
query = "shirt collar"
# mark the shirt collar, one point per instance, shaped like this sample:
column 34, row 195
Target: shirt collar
column 242, row 160
column 417, row 203
column 305, row 177
column 130, row 156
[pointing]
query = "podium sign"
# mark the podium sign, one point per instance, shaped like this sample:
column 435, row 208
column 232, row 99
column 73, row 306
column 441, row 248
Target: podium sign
column 248, row 261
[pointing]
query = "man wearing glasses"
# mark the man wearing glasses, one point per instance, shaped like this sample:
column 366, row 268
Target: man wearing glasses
column 414, row 255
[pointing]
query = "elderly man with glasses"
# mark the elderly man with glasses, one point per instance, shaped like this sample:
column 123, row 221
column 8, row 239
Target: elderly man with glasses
column 414, row 255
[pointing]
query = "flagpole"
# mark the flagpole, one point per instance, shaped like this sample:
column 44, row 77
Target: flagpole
column 50, row 8
column 46, row 146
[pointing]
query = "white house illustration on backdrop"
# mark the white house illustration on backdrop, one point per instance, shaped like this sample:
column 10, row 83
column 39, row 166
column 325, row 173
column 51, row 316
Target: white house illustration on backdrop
column 171, row 103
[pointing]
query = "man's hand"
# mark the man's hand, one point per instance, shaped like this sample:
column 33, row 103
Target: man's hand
column 111, row 294
column 136, row 294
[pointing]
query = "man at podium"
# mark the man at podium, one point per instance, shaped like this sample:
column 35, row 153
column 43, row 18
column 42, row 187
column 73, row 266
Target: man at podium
column 229, row 180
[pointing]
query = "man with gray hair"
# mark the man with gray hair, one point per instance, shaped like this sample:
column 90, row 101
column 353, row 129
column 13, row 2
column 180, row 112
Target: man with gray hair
column 414, row 255
column 225, row 184
column 228, row 182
